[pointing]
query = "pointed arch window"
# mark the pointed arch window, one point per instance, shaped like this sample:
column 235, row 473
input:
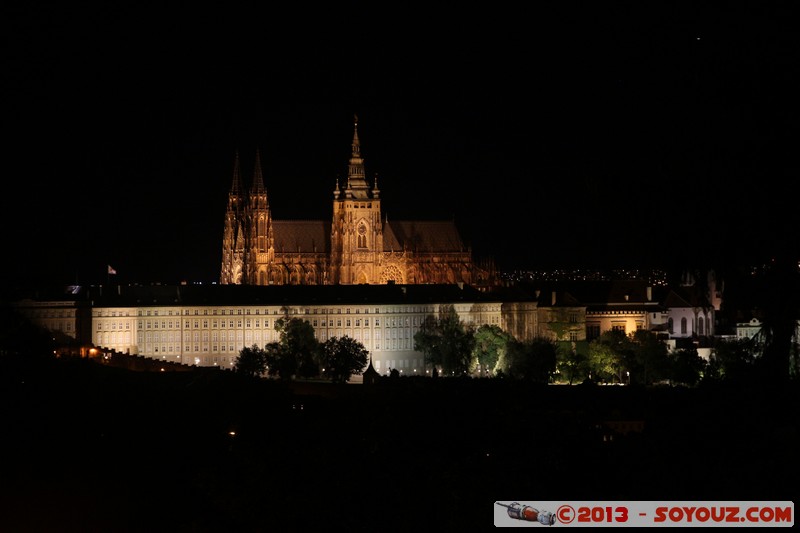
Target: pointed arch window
column 362, row 236
column 683, row 326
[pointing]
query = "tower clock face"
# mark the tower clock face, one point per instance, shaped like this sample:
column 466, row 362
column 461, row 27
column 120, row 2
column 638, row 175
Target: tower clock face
column 362, row 230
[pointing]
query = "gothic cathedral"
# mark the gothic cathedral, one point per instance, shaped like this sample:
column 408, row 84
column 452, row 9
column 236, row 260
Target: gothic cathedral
column 356, row 247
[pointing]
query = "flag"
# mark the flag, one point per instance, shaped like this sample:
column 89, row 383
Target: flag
column 111, row 270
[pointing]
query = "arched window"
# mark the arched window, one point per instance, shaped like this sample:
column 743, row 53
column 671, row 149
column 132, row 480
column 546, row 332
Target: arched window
column 700, row 326
column 683, row 326
column 670, row 326
column 362, row 236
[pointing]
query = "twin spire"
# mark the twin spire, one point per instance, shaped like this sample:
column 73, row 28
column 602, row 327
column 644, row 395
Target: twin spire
column 357, row 186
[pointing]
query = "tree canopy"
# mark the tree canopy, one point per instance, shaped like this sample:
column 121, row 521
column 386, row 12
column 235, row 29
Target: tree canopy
column 491, row 344
column 446, row 342
column 533, row 360
column 299, row 346
column 297, row 352
column 343, row 357
column 252, row 361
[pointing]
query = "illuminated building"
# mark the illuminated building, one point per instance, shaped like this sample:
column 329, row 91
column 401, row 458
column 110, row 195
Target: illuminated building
column 208, row 325
column 357, row 246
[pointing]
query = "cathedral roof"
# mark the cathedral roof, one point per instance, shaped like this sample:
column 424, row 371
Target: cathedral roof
column 304, row 236
column 422, row 236
column 314, row 236
column 255, row 295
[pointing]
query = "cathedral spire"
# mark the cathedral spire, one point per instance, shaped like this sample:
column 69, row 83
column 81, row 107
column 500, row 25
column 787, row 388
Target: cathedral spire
column 356, row 144
column 257, row 187
column 236, row 185
column 235, row 193
column 375, row 190
column 337, row 189
column 357, row 186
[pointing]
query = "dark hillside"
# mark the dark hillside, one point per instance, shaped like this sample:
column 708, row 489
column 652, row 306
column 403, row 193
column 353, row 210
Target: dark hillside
column 94, row 448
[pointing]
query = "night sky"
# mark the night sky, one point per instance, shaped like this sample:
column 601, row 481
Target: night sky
column 567, row 134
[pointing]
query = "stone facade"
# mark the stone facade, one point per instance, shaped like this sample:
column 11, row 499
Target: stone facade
column 357, row 246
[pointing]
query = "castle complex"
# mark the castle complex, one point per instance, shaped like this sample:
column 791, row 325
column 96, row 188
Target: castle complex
column 360, row 276
column 357, row 246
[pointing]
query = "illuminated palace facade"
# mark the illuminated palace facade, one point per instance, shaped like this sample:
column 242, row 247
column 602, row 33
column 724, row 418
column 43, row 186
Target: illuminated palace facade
column 357, row 246
column 208, row 325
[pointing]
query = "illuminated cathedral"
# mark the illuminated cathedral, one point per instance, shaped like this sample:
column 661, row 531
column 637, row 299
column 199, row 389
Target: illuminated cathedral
column 356, row 246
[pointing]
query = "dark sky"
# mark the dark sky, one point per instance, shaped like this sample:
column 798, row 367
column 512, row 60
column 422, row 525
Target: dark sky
column 567, row 134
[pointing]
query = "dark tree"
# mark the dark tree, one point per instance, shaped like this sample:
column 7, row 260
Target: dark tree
column 18, row 335
column 647, row 358
column 686, row 367
column 779, row 304
column 343, row 357
column 533, row 360
column 446, row 342
column 732, row 360
column 297, row 352
column 573, row 360
column 252, row 361
column 297, row 337
column 280, row 362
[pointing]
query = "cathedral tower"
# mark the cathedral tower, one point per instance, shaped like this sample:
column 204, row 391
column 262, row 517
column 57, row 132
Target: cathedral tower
column 233, row 235
column 356, row 229
column 260, row 250
column 355, row 246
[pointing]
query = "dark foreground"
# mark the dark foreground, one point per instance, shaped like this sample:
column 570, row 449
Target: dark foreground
column 92, row 448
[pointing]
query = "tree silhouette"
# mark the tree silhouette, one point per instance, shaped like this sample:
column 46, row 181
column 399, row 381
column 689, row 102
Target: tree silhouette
column 647, row 358
column 297, row 352
column 732, row 360
column 343, row 357
column 297, row 337
column 779, row 304
column 446, row 342
column 573, row 361
column 252, row 361
column 686, row 366
column 533, row 360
